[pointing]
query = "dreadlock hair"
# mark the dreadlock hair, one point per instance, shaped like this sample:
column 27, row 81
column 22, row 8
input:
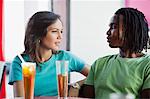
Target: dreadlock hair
column 135, row 29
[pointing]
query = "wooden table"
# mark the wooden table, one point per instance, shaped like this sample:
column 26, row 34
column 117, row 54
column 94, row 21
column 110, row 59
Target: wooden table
column 51, row 97
column 59, row 98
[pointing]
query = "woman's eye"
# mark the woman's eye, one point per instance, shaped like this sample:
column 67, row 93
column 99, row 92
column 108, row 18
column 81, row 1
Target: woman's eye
column 57, row 31
column 54, row 31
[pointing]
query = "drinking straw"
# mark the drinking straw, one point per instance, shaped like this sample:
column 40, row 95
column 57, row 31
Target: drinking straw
column 21, row 58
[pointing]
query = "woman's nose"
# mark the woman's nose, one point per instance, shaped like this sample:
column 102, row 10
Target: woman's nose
column 60, row 35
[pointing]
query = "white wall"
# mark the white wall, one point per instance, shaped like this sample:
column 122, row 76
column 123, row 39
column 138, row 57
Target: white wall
column 16, row 15
column 89, row 23
column 32, row 6
column 13, row 27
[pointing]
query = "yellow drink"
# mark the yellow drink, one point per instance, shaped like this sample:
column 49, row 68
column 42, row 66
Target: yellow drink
column 28, row 71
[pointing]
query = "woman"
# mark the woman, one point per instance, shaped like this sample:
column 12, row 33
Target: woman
column 42, row 39
column 129, row 71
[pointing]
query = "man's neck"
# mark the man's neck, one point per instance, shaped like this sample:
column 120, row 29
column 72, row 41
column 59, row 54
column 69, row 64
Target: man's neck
column 128, row 54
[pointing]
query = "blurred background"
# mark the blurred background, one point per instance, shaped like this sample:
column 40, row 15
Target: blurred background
column 85, row 25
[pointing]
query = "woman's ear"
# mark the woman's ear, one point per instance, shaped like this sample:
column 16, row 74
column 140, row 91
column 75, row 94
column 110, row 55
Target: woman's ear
column 39, row 41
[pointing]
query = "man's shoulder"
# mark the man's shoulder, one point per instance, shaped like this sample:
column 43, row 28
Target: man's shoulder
column 108, row 57
column 100, row 62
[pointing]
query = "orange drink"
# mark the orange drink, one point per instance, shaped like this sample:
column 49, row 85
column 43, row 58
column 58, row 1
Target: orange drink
column 28, row 71
column 62, row 85
column 62, row 78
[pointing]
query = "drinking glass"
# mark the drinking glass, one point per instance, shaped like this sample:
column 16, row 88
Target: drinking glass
column 28, row 71
column 121, row 96
column 62, row 77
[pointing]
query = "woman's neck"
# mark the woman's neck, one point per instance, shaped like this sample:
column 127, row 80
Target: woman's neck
column 45, row 54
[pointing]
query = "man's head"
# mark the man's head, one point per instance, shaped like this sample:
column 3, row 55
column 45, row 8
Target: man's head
column 128, row 30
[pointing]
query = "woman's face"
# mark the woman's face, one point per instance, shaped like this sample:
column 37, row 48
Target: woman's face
column 115, row 36
column 53, row 37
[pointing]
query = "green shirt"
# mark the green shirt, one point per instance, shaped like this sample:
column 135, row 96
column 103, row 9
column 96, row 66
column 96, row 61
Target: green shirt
column 113, row 74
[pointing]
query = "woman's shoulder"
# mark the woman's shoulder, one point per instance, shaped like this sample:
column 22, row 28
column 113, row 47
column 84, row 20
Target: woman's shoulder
column 63, row 52
column 25, row 57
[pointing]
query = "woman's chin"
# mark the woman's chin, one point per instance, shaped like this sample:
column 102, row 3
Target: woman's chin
column 56, row 49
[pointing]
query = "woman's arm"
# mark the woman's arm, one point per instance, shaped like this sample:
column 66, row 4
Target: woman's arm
column 18, row 88
column 85, row 70
column 74, row 92
column 145, row 94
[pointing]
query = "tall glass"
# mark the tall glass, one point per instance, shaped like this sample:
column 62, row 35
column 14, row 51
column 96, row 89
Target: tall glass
column 121, row 96
column 28, row 71
column 62, row 77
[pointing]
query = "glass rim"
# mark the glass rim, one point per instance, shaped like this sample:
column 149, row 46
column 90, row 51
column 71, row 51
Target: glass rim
column 28, row 63
column 62, row 60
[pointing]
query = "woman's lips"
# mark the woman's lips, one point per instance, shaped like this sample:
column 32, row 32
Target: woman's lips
column 57, row 43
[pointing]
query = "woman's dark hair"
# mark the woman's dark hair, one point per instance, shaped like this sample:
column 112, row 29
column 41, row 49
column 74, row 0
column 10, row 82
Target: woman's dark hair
column 37, row 29
column 135, row 28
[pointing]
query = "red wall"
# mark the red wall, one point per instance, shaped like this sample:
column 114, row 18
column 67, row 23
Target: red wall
column 1, row 43
column 2, row 91
column 142, row 5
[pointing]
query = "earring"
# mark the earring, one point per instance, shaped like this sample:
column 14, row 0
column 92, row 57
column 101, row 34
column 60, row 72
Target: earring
column 39, row 41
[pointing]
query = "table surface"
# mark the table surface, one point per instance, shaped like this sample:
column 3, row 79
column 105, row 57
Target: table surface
column 51, row 97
